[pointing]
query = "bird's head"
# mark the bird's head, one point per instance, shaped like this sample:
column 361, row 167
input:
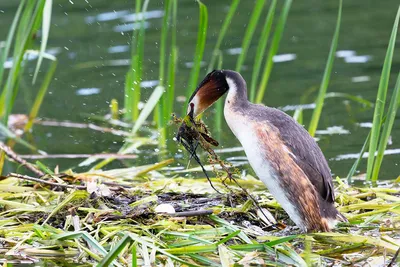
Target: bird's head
column 213, row 86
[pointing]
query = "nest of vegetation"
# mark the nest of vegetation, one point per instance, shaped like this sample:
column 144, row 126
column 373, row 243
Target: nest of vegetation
column 153, row 215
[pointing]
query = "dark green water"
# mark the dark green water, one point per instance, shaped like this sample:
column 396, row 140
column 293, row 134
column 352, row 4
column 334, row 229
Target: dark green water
column 90, row 31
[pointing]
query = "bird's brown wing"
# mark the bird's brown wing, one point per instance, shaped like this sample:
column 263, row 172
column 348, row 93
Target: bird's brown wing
column 305, row 151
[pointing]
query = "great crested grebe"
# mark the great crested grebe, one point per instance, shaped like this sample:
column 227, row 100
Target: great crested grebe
column 281, row 152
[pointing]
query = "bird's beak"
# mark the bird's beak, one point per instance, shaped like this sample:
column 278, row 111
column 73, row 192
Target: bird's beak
column 209, row 90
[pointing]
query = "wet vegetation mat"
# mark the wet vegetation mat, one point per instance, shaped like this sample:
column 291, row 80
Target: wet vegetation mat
column 150, row 215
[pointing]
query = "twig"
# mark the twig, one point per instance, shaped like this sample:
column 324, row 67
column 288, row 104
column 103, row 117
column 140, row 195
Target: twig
column 11, row 154
column 92, row 126
column 191, row 213
column 78, row 156
column 38, row 180
column 392, row 262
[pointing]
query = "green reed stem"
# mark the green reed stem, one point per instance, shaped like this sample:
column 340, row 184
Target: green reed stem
column 29, row 19
column 381, row 98
column 40, row 96
column 173, row 57
column 46, row 22
column 222, row 32
column 251, row 27
column 357, row 162
column 10, row 37
column 273, row 50
column 387, row 128
column 138, row 63
column 198, row 56
column 261, row 48
column 161, row 107
column 219, row 105
column 327, row 74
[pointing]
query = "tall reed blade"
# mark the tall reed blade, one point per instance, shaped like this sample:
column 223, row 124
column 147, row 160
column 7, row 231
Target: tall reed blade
column 387, row 128
column 128, row 93
column 26, row 28
column 381, row 98
column 163, row 42
column 10, row 37
column 134, row 74
column 254, row 17
column 159, row 115
column 358, row 160
column 173, row 58
column 227, row 21
column 40, row 96
column 327, row 75
column 45, row 35
column 219, row 108
column 273, row 50
column 261, row 48
column 137, row 78
column 198, row 56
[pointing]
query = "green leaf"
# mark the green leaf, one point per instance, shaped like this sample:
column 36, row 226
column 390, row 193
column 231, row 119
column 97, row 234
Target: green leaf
column 327, row 74
column 387, row 128
column 222, row 32
column 251, row 27
column 198, row 55
column 46, row 18
column 273, row 50
column 261, row 49
column 113, row 254
column 381, row 98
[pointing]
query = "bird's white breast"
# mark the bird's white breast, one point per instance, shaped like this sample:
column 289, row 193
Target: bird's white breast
column 242, row 128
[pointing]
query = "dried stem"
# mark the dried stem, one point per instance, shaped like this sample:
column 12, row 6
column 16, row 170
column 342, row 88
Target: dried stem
column 38, row 180
column 11, row 154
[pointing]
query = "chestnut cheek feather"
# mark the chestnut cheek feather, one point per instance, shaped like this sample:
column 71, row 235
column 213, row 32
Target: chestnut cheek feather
column 210, row 90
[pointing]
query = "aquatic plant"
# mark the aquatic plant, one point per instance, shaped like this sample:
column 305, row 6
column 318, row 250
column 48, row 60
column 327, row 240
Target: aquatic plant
column 327, row 74
column 29, row 16
column 376, row 137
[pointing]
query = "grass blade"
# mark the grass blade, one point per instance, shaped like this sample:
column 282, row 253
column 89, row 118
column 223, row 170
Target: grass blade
column 387, row 128
column 261, row 48
column 40, row 96
column 86, row 236
column 161, row 108
column 163, row 41
column 219, row 105
column 9, row 134
column 251, row 27
column 10, row 37
column 134, row 74
column 46, row 22
column 148, row 108
column 113, row 254
column 273, row 50
column 26, row 28
column 357, row 162
column 327, row 74
column 381, row 98
column 138, row 239
column 73, row 196
column 201, row 41
column 137, row 78
column 173, row 59
column 227, row 21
